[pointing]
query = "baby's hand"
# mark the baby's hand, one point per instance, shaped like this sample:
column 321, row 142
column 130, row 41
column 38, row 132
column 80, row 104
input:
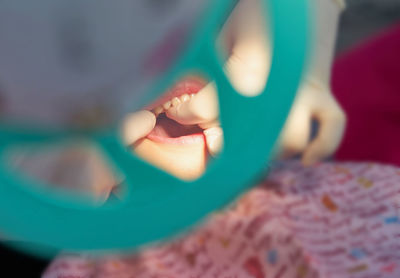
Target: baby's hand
column 248, row 68
column 314, row 102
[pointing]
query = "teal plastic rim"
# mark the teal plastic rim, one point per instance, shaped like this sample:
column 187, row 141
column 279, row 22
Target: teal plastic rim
column 158, row 205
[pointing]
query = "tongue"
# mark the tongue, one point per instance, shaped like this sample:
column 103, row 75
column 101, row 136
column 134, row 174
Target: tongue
column 168, row 128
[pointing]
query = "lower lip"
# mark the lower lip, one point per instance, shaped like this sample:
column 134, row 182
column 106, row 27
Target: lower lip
column 183, row 140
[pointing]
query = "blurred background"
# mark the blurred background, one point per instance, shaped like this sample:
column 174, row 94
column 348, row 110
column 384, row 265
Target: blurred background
column 361, row 20
column 365, row 18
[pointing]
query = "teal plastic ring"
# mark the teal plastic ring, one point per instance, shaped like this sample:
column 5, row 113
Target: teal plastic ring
column 158, row 205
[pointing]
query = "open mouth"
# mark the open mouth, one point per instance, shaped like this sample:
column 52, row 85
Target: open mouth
column 170, row 132
column 171, row 128
column 186, row 114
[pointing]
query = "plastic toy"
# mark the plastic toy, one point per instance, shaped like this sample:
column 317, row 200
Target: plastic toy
column 51, row 220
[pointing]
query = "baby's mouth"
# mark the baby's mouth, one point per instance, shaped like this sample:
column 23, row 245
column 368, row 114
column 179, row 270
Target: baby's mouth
column 187, row 114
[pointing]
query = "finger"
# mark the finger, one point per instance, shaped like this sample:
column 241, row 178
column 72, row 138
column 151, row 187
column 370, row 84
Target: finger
column 100, row 176
column 296, row 132
column 249, row 63
column 137, row 125
column 331, row 129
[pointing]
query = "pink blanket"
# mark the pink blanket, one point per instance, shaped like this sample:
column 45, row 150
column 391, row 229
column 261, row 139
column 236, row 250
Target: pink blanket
column 330, row 221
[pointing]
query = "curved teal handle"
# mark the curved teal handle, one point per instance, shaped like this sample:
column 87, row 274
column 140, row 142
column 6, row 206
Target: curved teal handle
column 158, row 205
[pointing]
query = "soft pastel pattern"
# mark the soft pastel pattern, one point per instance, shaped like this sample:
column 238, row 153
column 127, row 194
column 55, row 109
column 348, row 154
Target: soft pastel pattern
column 333, row 220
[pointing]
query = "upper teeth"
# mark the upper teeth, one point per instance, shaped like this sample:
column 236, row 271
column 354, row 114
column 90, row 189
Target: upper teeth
column 195, row 109
column 166, row 105
column 174, row 102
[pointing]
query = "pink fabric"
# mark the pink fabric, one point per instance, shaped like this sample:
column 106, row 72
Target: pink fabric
column 333, row 220
column 366, row 82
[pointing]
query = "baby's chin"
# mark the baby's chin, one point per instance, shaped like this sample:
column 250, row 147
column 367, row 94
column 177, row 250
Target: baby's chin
column 184, row 161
